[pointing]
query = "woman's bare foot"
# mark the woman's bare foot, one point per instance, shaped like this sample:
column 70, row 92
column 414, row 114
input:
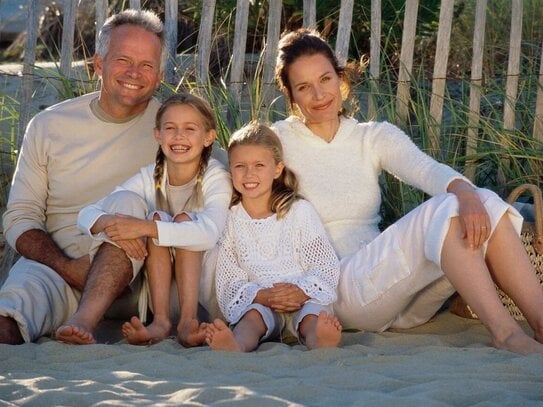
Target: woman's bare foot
column 191, row 333
column 326, row 334
column 138, row 334
column 220, row 337
column 519, row 342
column 74, row 334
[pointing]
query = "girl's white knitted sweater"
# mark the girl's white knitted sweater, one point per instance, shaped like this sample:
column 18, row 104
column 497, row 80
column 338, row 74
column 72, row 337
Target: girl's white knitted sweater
column 341, row 178
column 256, row 253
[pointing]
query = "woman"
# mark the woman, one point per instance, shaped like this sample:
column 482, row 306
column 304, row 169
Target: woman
column 463, row 239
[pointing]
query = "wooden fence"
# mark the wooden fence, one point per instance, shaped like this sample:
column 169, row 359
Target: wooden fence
column 344, row 27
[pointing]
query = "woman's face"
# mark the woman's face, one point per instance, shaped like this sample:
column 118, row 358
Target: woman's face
column 315, row 88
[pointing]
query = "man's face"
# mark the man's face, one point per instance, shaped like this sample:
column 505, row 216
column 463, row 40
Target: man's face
column 130, row 71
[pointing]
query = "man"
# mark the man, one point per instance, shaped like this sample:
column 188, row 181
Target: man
column 73, row 154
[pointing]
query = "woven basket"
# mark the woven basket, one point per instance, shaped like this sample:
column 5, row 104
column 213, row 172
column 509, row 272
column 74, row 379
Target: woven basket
column 532, row 239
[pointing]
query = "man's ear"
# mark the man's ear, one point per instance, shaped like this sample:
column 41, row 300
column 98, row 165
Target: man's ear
column 98, row 64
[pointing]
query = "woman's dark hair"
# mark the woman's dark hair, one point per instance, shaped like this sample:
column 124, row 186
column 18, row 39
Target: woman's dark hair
column 299, row 43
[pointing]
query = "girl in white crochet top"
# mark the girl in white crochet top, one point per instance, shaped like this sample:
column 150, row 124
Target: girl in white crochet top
column 276, row 271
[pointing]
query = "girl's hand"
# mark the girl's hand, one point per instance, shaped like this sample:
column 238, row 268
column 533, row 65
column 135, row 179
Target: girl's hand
column 124, row 227
column 286, row 297
column 473, row 216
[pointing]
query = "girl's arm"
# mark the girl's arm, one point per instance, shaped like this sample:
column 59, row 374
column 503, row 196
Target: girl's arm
column 317, row 256
column 234, row 291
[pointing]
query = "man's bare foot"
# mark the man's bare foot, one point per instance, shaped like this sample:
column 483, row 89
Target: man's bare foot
column 9, row 331
column 327, row 332
column 74, row 334
column 191, row 333
column 220, row 337
column 519, row 342
column 138, row 334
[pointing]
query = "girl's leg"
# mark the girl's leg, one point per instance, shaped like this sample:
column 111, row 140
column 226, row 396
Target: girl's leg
column 188, row 270
column 244, row 338
column 188, row 266
column 467, row 271
column 322, row 331
column 159, row 271
column 513, row 272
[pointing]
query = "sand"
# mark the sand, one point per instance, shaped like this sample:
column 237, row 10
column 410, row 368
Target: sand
column 445, row 362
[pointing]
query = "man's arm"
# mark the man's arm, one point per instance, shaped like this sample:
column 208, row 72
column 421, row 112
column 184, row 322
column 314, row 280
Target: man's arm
column 37, row 245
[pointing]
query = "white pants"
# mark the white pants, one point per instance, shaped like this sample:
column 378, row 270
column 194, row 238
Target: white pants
column 39, row 300
column 395, row 281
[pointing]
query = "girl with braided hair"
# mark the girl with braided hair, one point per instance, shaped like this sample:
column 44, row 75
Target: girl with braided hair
column 187, row 193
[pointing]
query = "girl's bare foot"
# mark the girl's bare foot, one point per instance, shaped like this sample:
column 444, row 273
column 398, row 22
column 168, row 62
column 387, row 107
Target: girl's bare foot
column 74, row 334
column 191, row 333
column 138, row 334
column 220, row 337
column 327, row 333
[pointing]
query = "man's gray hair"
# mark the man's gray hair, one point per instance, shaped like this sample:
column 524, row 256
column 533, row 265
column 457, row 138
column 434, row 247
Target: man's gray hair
column 145, row 19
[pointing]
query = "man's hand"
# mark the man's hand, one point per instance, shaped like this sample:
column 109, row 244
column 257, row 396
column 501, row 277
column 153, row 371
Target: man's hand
column 75, row 271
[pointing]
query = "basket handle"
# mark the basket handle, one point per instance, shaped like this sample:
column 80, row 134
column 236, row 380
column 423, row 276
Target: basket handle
column 538, row 206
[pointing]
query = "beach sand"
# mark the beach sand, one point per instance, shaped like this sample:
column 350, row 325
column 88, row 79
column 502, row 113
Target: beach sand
column 446, row 362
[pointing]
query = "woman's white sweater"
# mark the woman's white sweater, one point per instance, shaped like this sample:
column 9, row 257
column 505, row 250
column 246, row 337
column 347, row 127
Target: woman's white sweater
column 341, row 178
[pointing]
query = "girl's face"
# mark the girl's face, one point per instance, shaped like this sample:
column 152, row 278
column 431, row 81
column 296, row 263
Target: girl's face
column 182, row 135
column 253, row 170
column 315, row 88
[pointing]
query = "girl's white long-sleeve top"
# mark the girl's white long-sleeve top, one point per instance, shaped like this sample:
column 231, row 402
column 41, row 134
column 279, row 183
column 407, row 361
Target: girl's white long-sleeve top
column 207, row 224
column 256, row 253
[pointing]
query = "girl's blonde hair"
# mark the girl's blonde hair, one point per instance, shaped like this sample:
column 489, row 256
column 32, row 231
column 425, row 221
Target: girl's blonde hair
column 285, row 188
column 196, row 199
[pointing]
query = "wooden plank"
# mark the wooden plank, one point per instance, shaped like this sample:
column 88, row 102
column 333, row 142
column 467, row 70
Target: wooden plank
column 440, row 74
column 513, row 66
column 475, row 86
column 101, row 16
column 170, row 33
column 204, row 41
column 135, row 4
column 25, row 107
column 238, row 53
column 344, row 30
column 538, row 117
column 268, row 91
column 511, row 85
column 68, row 29
column 310, row 14
column 375, row 57
column 406, row 60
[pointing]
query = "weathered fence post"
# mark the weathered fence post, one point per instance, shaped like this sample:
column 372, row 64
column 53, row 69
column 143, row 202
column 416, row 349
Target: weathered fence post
column 344, row 30
column 204, row 41
column 310, row 14
column 170, row 31
column 475, row 86
column 406, row 59
column 440, row 75
column 268, row 90
column 375, row 57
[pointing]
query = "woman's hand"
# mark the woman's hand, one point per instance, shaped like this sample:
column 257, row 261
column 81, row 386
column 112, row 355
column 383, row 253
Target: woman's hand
column 473, row 215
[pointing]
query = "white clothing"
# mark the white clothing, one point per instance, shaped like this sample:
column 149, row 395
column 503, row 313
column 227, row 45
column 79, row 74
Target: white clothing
column 256, row 253
column 388, row 279
column 69, row 158
column 207, row 224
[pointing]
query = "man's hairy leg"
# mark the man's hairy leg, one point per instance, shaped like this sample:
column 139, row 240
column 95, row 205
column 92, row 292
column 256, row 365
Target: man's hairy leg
column 110, row 274
column 9, row 331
